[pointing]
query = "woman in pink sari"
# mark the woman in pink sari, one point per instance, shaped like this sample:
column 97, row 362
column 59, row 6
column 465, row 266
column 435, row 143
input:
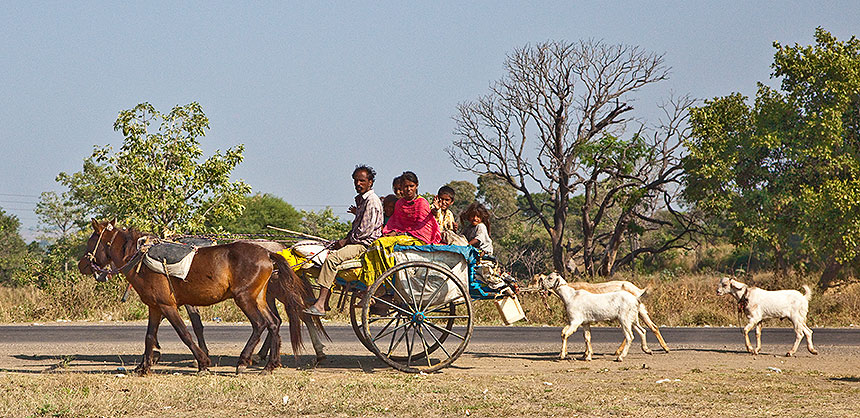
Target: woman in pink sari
column 412, row 214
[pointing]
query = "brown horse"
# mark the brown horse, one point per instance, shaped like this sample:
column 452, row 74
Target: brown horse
column 237, row 270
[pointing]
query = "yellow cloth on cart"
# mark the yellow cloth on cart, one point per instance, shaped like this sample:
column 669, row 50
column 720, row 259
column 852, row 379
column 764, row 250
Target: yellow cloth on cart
column 295, row 261
column 378, row 258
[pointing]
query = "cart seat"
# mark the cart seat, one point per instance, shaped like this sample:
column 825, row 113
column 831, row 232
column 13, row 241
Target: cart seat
column 353, row 263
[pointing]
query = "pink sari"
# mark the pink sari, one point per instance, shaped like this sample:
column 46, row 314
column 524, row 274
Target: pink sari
column 413, row 217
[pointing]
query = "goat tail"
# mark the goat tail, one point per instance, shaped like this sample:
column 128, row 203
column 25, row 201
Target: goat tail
column 292, row 295
column 807, row 292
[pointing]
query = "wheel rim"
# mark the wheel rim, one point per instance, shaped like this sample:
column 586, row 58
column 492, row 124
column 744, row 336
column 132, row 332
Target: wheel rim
column 413, row 328
column 355, row 305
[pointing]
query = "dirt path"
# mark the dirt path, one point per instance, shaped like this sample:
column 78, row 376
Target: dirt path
column 515, row 377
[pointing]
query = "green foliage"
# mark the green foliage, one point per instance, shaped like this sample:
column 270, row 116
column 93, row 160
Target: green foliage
column 790, row 164
column 464, row 195
column 261, row 210
column 156, row 181
column 12, row 248
column 59, row 216
column 324, row 224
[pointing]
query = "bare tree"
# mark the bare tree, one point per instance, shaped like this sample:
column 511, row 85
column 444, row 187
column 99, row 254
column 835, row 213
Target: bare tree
column 535, row 125
column 641, row 178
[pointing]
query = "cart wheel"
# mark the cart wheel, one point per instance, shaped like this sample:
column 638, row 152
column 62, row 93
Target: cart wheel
column 421, row 325
column 355, row 318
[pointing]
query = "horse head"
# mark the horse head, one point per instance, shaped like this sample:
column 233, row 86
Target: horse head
column 97, row 255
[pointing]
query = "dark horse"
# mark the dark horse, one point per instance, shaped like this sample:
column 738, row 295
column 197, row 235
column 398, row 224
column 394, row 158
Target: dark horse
column 237, row 270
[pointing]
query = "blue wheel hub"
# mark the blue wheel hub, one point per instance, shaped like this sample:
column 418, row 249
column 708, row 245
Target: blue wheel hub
column 418, row 318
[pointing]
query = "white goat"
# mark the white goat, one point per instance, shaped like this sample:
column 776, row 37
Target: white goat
column 584, row 308
column 759, row 304
column 618, row 285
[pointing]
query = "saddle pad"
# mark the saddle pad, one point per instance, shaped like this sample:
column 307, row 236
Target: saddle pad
column 197, row 242
column 170, row 258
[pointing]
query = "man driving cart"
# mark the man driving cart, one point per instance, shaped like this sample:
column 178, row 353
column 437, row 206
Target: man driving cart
column 366, row 228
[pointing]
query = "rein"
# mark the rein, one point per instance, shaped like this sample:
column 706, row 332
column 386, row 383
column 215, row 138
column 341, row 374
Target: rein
column 134, row 259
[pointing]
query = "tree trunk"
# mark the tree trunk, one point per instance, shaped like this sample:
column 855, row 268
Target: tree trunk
column 558, row 254
column 608, row 262
column 587, row 242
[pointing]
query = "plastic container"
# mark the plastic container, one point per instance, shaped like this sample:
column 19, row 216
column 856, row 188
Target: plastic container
column 510, row 309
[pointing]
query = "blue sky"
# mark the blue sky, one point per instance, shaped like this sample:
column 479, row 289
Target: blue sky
column 314, row 88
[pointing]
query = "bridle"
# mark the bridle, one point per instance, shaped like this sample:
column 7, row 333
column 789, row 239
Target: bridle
column 91, row 255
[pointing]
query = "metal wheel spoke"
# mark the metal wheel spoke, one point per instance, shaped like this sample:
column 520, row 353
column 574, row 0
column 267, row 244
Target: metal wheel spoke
column 403, row 298
column 438, row 328
column 380, row 318
column 391, row 331
column 439, row 289
column 444, row 306
column 408, row 348
column 392, row 345
column 424, row 343
column 448, row 317
column 439, row 343
column 414, row 305
column 376, row 299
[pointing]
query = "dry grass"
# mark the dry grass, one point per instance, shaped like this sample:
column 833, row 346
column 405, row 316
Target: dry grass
column 568, row 389
column 686, row 300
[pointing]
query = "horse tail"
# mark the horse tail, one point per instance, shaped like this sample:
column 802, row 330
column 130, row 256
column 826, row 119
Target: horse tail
column 293, row 296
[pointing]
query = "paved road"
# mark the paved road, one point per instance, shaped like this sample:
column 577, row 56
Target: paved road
column 341, row 334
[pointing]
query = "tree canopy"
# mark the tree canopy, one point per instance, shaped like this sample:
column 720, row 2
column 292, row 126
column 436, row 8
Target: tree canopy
column 262, row 209
column 12, row 247
column 157, row 181
column 789, row 164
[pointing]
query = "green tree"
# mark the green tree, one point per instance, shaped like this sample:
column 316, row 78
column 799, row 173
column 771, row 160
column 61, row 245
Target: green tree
column 464, row 195
column 259, row 211
column 59, row 217
column 12, row 248
column 61, row 221
column 156, row 181
column 324, row 224
column 790, row 164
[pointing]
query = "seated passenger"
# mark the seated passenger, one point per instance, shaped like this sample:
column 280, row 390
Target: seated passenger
column 412, row 214
column 441, row 209
column 476, row 221
column 388, row 207
column 397, row 186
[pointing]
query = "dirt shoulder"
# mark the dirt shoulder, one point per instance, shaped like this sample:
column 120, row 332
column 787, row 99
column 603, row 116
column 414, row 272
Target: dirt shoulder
column 491, row 379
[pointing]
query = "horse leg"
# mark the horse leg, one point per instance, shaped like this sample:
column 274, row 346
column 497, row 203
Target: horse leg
column 150, row 342
column 172, row 314
column 264, row 349
column 258, row 321
column 273, row 324
column 315, row 337
column 197, row 325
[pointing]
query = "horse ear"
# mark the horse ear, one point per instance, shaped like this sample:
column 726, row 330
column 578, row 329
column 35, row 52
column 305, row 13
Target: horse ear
column 95, row 224
column 113, row 222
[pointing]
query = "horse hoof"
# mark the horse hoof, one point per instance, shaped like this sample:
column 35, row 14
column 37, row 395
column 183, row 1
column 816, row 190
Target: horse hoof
column 156, row 356
column 320, row 358
column 240, row 369
column 203, row 372
column 256, row 358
